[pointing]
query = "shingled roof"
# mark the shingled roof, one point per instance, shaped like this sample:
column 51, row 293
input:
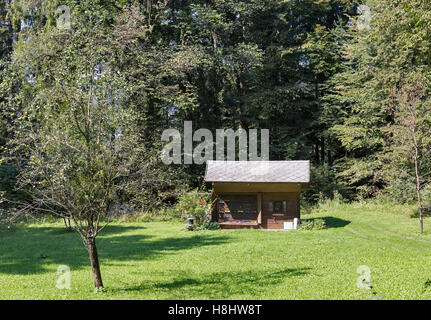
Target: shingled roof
column 258, row 171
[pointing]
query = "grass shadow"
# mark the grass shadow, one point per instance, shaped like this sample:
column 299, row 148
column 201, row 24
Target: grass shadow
column 332, row 222
column 221, row 285
column 31, row 250
column 138, row 247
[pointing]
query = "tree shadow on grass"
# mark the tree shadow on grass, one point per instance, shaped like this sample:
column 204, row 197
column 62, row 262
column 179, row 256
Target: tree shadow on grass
column 30, row 250
column 332, row 222
column 139, row 248
column 220, row 285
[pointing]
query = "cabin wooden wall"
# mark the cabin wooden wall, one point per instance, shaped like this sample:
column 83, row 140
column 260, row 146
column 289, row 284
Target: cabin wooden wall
column 267, row 192
column 272, row 220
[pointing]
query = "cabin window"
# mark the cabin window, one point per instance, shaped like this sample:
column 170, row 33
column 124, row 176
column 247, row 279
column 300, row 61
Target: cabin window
column 278, row 206
column 270, row 206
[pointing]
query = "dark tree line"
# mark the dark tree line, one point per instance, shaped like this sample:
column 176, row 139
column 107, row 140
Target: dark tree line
column 302, row 69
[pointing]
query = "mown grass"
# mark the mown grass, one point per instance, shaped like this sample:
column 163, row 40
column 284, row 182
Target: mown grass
column 161, row 260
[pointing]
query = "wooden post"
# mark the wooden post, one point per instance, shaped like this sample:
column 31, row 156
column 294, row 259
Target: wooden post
column 213, row 206
column 259, row 208
column 298, row 203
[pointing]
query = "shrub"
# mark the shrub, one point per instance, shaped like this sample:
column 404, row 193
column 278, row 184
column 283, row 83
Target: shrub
column 312, row 224
column 209, row 225
column 196, row 204
column 401, row 190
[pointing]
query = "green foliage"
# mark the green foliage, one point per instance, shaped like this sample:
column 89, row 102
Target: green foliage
column 323, row 184
column 312, row 224
column 208, row 225
column 74, row 137
column 8, row 174
column 196, row 204
column 325, row 89
column 219, row 63
column 360, row 177
column 401, row 190
column 378, row 63
column 333, row 202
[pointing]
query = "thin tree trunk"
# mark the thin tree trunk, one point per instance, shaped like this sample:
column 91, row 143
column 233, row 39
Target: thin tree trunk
column 241, row 90
column 418, row 191
column 316, row 152
column 418, row 180
column 322, row 151
column 94, row 260
column 66, row 222
column 330, row 158
column 214, row 42
column 149, row 6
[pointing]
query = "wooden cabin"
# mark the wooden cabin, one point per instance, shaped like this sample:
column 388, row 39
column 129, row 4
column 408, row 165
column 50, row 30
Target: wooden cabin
column 257, row 194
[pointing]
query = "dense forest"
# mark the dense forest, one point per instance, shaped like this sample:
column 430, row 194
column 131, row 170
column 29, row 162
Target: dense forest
column 343, row 83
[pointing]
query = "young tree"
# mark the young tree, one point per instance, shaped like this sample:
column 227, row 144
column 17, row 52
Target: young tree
column 75, row 139
column 409, row 154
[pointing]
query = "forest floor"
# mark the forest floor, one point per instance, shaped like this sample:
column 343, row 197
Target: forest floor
column 161, row 260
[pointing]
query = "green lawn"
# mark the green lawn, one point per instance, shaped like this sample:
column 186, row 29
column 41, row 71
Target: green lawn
column 161, row 260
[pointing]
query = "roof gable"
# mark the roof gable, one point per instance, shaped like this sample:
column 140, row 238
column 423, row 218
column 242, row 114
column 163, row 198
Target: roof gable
column 258, row 171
